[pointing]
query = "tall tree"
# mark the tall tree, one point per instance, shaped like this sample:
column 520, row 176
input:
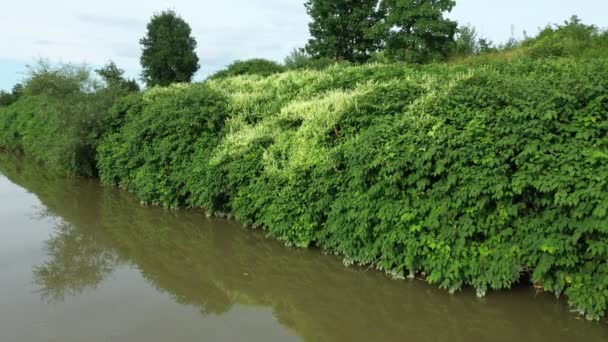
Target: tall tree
column 466, row 41
column 168, row 51
column 113, row 76
column 416, row 30
column 340, row 29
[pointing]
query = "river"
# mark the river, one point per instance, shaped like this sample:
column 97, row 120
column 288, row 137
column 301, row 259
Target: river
column 82, row 262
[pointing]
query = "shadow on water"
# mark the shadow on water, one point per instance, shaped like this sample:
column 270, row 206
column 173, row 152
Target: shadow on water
column 214, row 265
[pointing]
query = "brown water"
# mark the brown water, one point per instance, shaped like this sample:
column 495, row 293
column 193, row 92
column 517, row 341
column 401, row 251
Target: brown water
column 79, row 262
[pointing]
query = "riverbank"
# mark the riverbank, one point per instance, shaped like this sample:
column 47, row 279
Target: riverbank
column 90, row 262
column 472, row 175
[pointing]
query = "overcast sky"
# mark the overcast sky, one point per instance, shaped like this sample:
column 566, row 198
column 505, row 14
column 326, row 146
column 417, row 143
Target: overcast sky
column 97, row 31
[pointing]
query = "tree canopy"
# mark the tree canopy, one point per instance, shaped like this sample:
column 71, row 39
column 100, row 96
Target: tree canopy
column 340, row 29
column 113, row 76
column 406, row 30
column 168, row 54
column 416, row 31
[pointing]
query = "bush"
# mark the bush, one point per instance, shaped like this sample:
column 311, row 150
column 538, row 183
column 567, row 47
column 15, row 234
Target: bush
column 474, row 177
column 57, row 118
column 299, row 59
column 261, row 67
column 7, row 99
column 152, row 153
column 573, row 39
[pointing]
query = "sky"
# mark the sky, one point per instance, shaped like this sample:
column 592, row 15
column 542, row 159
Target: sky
column 94, row 32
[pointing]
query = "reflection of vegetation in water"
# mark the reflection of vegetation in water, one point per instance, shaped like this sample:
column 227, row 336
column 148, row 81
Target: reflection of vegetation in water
column 106, row 228
column 77, row 262
column 211, row 266
column 168, row 249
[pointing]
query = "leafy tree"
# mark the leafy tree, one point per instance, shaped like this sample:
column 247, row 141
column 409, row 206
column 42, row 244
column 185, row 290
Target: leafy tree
column 380, row 57
column 168, row 51
column 485, row 45
column 300, row 59
column 256, row 66
column 113, row 76
column 58, row 82
column 296, row 59
column 340, row 29
column 8, row 98
column 17, row 89
column 416, row 30
column 466, row 42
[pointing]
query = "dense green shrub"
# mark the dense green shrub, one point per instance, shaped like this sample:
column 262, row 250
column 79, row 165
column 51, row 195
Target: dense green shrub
column 474, row 177
column 7, row 99
column 57, row 118
column 257, row 66
column 152, row 153
column 298, row 59
column 573, row 39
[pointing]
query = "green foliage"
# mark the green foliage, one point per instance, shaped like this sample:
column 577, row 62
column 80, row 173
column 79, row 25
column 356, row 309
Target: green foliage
column 403, row 30
column 113, row 77
column 473, row 176
column 300, row 59
column 257, row 66
column 58, row 117
column 152, row 153
column 485, row 45
column 340, row 29
column 573, row 38
column 467, row 42
column 168, row 51
column 416, row 31
column 6, row 98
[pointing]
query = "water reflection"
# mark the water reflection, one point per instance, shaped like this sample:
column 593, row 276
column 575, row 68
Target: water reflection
column 215, row 266
column 77, row 262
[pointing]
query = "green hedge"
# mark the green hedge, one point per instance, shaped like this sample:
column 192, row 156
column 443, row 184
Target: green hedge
column 475, row 177
column 58, row 118
column 256, row 66
column 152, row 153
